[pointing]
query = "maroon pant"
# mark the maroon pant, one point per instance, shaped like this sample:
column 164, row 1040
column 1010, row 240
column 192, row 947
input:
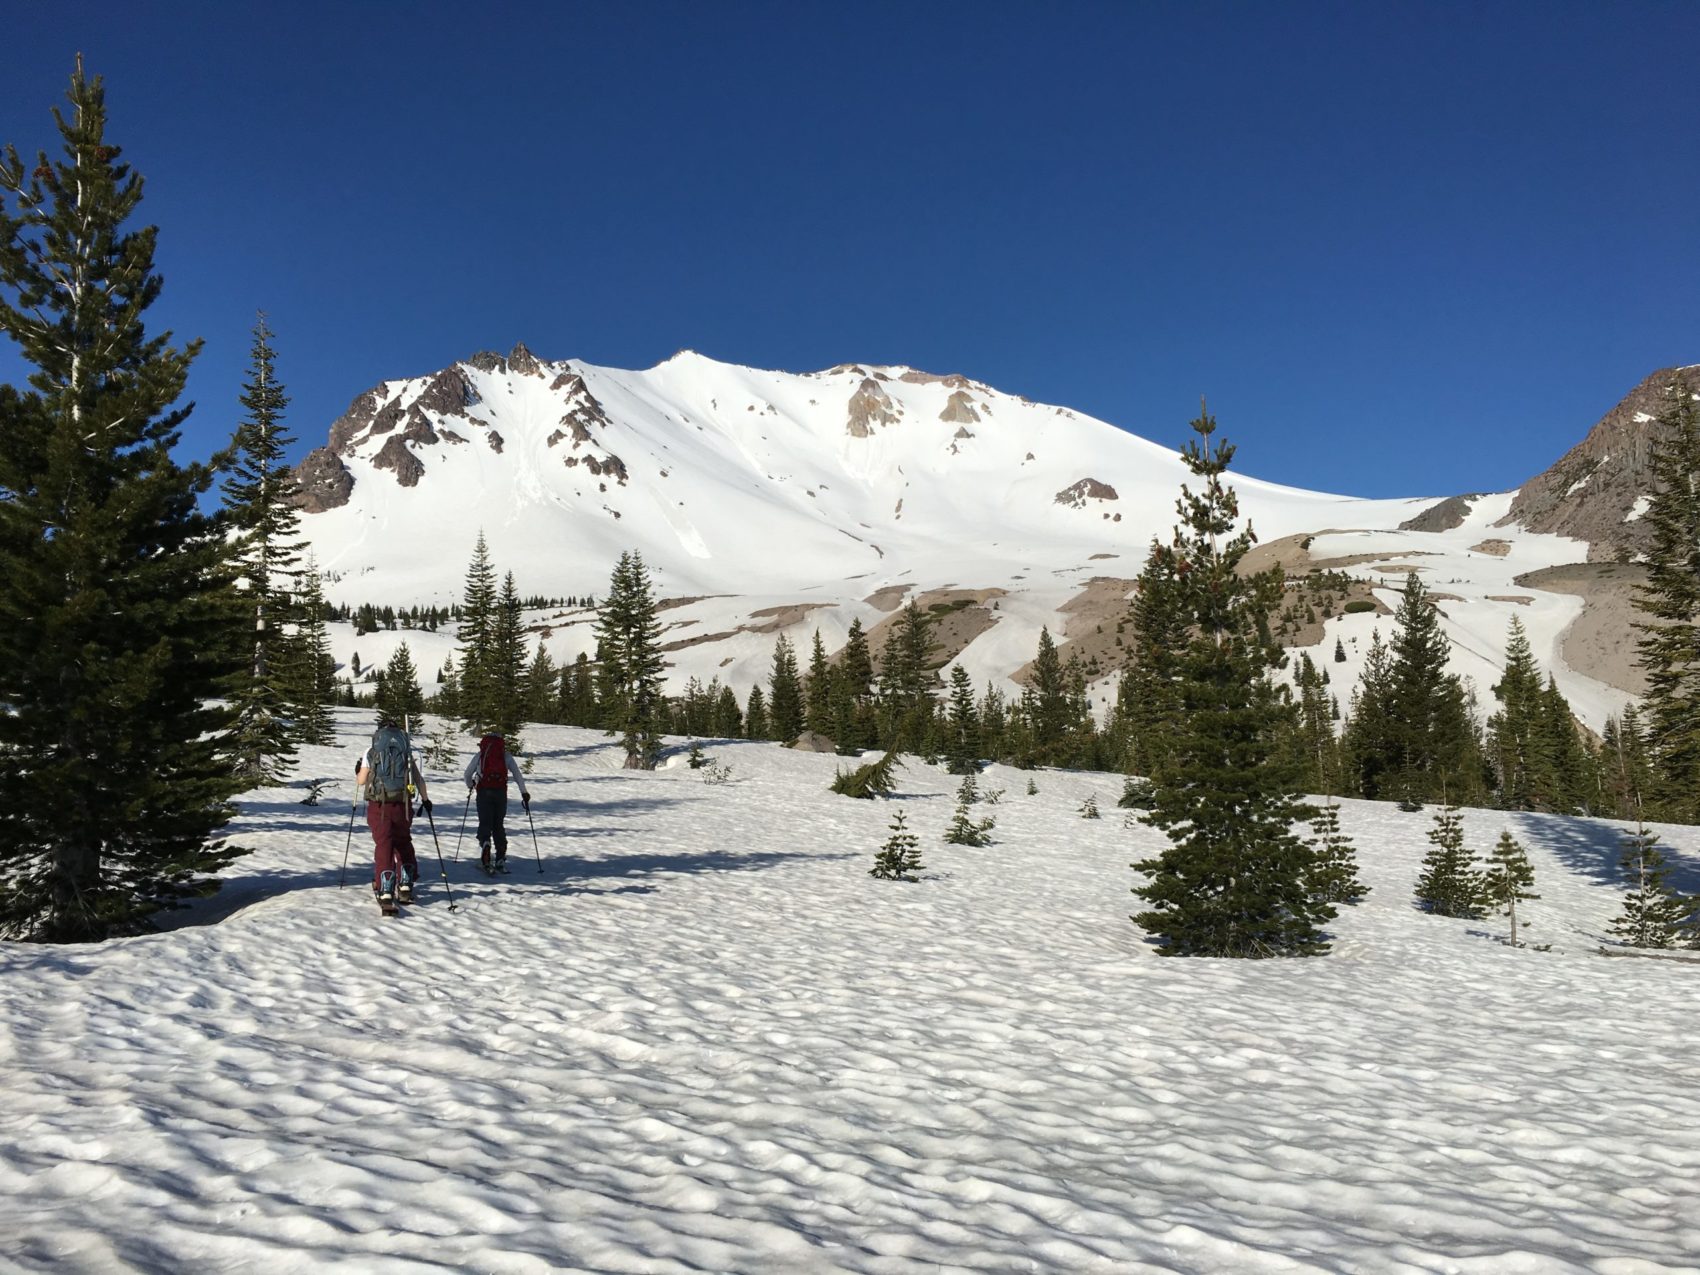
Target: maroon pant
column 392, row 840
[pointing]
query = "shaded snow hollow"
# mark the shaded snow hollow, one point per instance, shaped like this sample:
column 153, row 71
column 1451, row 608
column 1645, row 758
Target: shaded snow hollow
column 706, row 1039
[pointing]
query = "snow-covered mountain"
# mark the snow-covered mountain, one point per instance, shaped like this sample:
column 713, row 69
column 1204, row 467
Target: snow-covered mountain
column 766, row 501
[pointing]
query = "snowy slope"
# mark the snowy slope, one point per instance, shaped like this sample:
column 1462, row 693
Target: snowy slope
column 706, row 1039
column 747, row 490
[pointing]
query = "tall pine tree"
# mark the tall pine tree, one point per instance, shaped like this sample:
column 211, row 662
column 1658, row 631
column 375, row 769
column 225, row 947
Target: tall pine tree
column 259, row 499
column 118, row 611
column 1235, row 880
column 1669, row 647
column 629, row 639
column 478, row 706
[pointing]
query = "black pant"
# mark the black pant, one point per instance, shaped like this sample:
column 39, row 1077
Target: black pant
column 492, row 809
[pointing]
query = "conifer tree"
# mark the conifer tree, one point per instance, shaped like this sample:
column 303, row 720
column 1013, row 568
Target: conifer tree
column 728, row 718
column 1431, row 737
column 118, row 612
column 504, row 666
column 907, row 679
column 399, row 695
column 629, row 636
column 1654, row 915
column 1450, row 883
column 784, row 694
column 1234, row 880
column 1050, row 689
column 1089, row 807
column 818, row 695
column 1669, row 647
column 755, row 715
column 1515, row 742
column 875, row 779
column 1508, row 876
column 446, row 702
column 259, row 501
column 964, row 829
column 962, row 747
column 478, row 707
column 542, row 687
column 900, row 858
column 309, row 666
column 1148, row 699
column 1335, row 875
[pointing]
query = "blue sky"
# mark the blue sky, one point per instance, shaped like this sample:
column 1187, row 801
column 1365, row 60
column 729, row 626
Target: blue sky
column 1404, row 249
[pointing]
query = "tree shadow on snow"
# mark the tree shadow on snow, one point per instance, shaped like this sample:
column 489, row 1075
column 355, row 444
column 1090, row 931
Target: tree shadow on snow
column 1592, row 849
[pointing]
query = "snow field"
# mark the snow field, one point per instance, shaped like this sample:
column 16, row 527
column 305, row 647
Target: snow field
column 706, row 1039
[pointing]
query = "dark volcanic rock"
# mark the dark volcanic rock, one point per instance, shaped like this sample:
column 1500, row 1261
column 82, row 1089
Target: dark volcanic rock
column 1077, row 494
column 1593, row 487
column 447, row 393
column 395, row 455
column 522, row 362
column 356, row 420
column 1443, row 516
column 487, row 361
column 495, row 441
column 324, row 481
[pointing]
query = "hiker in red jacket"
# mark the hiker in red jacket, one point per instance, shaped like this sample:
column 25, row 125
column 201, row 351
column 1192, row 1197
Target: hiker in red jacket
column 487, row 773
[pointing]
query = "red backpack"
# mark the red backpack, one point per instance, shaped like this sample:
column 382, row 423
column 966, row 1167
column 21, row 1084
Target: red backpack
column 492, row 762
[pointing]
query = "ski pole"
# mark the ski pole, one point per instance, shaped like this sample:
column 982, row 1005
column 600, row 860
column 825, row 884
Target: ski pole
column 441, row 866
column 459, row 836
column 345, row 849
column 348, row 846
column 534, row 848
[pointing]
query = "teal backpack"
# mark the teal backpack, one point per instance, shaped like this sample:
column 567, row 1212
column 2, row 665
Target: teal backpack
column 390, row 760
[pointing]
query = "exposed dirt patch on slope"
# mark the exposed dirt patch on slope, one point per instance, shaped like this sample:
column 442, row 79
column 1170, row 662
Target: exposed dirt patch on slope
column 1601, row 641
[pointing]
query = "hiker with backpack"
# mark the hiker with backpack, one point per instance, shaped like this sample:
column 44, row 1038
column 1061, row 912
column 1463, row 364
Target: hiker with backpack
column 487, row 774
column 389, row 776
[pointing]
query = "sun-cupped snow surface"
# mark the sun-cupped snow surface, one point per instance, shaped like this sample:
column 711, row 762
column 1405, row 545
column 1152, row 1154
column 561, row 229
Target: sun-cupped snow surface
column 703, row 1038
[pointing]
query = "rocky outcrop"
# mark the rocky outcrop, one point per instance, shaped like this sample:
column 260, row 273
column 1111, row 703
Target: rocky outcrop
column 955, row 380
column 870, row 406
column 960, row 410
column 487, row 361
column 1444, row 516
column 394, row 455
column 357, row 419
column 1591, row 493
column 324, row 481
column 447, row 393
column 522, row 362
column 1077, row 494
column 495, row 441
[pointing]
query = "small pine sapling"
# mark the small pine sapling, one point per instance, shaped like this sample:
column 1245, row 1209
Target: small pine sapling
column 440, row 747
column 717, row 772
column 992, row 796
column 1508, row 873
column 965, row 830
column 1335, row 871
column 968, row 791
column 1089, row 807
column 876, row 779
column 696, row 760
column 900, row 858
column 1032, row 788
column 315, row 790
column 1654, row 915
column 1449, row 885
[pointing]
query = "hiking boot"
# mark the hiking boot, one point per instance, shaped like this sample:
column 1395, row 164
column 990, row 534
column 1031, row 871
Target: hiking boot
column 404, row 892
column 484, row 858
